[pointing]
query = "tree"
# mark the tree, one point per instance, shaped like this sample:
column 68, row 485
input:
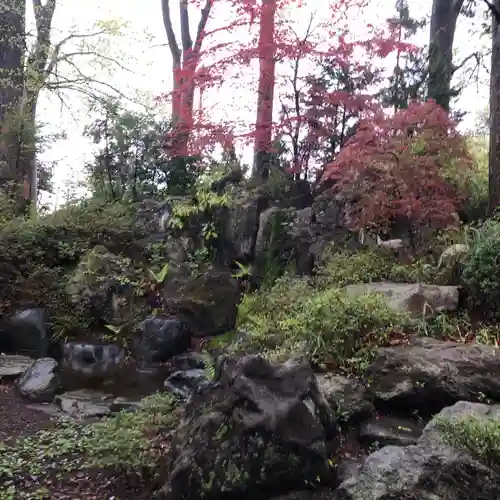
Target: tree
column 402, row 166
column 130, row 161
column 185, row 61
column 43, row 65
column 12, row 44
column 494, row 152
column 410, row 72
column 272, row 42
column 442, row 34
column 265, row 92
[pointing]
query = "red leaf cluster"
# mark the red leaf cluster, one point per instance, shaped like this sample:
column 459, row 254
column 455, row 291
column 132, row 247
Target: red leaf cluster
column 404, row 165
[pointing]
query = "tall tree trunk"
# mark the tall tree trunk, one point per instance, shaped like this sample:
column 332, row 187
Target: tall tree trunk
column 494, row 154
column 265, row 96
column 12, row 47
column 185, row 60
column 37, row 72
column 442, row 33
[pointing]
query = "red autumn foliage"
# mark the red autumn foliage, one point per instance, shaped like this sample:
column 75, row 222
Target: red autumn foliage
column 209, row 60
column 401, row 166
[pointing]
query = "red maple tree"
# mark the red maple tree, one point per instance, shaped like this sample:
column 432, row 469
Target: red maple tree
column 401, row 165
column 204, row 62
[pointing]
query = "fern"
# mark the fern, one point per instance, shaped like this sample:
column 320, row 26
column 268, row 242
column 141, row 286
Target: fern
column 160, row 277
column 209, row 365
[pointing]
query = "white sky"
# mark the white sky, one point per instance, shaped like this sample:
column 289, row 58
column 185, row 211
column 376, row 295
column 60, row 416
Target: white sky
column 143, row 48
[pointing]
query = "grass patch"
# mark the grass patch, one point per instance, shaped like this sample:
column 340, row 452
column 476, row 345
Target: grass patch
column 478, row 436
column 126, row 442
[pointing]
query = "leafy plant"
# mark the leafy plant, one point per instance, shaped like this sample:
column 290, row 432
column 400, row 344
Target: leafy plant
column 243, row 271
column 161, row 276
column 403, row 165
column 478, row 436
column 123, row 441
column 326, row 325
column 481, row 273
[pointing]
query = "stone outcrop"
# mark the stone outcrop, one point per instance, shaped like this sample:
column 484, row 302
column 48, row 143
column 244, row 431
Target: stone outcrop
column 261, row 428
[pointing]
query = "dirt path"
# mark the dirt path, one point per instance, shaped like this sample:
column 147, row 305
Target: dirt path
column 17, row 419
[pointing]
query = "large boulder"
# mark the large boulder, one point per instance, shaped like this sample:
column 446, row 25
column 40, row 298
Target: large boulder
column 431, row 469
column 160, row 338
column 418, row 299
column 91, row 360
column 25, row 333
column 428, row 374
column 207, row 302
column 262, row 428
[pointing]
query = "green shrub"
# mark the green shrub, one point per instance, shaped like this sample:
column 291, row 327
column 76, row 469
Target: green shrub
column 478, row 436
column 37, row 255
column 481, row 273
column 343, row 268
column 325, row 325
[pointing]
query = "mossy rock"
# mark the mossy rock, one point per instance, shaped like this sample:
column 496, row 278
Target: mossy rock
column 98, row 276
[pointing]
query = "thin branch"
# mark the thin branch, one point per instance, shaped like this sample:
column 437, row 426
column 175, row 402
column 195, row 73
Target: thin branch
column 200, row 32
column 187, row 42
column 172, row 42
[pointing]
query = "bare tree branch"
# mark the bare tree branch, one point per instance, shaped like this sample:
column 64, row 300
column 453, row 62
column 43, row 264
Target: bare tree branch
column 172, row 42
column 187, row 43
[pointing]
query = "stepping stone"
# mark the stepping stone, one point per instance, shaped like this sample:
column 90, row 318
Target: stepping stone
column 12, row 366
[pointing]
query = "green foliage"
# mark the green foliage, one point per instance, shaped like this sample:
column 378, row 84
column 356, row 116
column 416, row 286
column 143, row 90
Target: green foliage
column 341, row 268
column 122, row 442
column 40, row 255
column 159, row 278
column 477, row 176
column 481, row 273
column 293, row 317
column 203, row 212
column 478, row 436
column 131, row 161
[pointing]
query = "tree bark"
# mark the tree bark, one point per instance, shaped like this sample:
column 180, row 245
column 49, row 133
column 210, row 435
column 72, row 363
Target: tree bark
column 442, row 33
column 265, row 92
column 494, row 153
column 36, row 78
column 12, row 47
column 185, row 60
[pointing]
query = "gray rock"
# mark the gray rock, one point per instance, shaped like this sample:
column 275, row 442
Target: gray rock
column 40, row 381
column 429, row 374
column 242, row 225
column 160, row 338
column 389, row 430
column 13, row 366
column 92, row 360
column 415, row 299
column 420, row 473
column 207, row 302
column 347, row 396
column 263, row 426
column 429, row 470
column 432, row 432
column 25, row 333
column 84, row 404
column 184, row 384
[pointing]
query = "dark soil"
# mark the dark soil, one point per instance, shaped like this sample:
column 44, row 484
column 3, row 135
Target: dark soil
column 18, row 419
